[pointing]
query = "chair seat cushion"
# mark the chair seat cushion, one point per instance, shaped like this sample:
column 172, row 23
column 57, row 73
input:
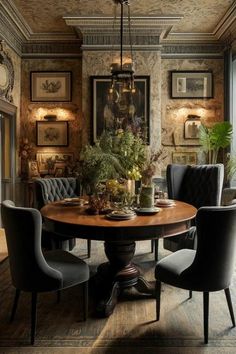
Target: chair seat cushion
column 73, row 269
column 171, row 269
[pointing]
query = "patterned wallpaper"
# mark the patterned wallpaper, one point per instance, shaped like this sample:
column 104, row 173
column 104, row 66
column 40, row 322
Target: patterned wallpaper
column 199, row 15
column 175, row 111
column 71, row 111
column 167, row 116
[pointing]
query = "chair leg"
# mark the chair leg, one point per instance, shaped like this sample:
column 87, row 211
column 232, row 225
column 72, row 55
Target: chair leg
column 158, row 299
column 206, row 314
column 33, row 316
column 156, row 246
column 230, row 306
column 89, row 248
column 58, row 296
column 85, row 299
column 152, row 246
column 15, row 303
column 190, row 294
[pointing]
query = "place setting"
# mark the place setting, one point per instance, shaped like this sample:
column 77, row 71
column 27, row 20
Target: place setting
column 164, row 203
column 73, row 202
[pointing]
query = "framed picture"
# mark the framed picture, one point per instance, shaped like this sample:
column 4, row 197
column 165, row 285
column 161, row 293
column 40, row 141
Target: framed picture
column 191, row 84
column 59, row 171
column 191, row 127
column 109, row 114
column 52, row 133
column 33, row 169
column 184, row 158
column 50, row 86
column 49, row 160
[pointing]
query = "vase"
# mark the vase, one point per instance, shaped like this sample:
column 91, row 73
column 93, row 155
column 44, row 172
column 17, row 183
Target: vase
column 131, row 186
column 146, row 199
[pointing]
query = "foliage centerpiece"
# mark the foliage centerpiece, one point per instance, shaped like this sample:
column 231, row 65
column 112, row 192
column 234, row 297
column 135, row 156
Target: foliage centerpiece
column 112, row 157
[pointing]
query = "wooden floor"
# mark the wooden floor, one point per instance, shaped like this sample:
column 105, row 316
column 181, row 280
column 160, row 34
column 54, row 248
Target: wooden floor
column 130, row 330
column 128, row 350
column 3, row 246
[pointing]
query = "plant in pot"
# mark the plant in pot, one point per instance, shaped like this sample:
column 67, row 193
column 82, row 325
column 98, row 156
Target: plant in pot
column 112, row 157
column 215, row 138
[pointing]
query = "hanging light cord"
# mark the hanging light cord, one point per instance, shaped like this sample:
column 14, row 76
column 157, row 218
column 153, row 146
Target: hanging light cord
column 130, row 37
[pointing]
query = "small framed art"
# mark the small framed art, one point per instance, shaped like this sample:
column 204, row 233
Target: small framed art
column 184, row 158
column 191, row 84
column 52, row 133
column 191, row 127
column 50, row 86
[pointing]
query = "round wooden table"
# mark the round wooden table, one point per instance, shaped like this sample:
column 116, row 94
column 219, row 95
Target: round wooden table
column 119, row 237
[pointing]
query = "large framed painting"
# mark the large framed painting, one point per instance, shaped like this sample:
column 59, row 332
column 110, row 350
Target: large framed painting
column 52, row 86
column 191, row 84
column 106, row 109
column 52, row 133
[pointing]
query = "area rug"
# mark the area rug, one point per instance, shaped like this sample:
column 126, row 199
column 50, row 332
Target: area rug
column 130, row 329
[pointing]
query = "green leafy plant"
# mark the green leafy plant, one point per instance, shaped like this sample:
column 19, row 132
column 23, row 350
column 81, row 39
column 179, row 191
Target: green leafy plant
column 111, row 157
column 214, row 138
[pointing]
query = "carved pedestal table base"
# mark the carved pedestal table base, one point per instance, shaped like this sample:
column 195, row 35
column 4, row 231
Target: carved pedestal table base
column 118, row 274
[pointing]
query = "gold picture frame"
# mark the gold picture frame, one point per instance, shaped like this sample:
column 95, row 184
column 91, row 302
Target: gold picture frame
column 56, row 159
column 184, row 158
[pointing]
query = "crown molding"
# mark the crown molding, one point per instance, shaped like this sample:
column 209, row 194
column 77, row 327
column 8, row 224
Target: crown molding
column 177, row 51
column 226, row 22
column 101, row 33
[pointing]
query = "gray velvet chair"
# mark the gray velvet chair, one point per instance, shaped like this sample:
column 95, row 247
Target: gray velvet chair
column 31, row 270
column 208, row 268
column 48, row 190
column 199, row 185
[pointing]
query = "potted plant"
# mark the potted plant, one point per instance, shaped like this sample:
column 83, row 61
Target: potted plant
column 214, row 138
column 111, row 157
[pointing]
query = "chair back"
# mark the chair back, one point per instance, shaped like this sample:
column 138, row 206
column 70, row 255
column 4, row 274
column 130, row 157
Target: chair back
column 48, row 190
column 199, row 185
column 29, row 270
column 213, row 265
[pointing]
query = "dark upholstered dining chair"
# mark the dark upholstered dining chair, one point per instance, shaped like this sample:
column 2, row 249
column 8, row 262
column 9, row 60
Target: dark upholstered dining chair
column 31, row 270
column 48, row 190
column 199, row 185
column 208, row 268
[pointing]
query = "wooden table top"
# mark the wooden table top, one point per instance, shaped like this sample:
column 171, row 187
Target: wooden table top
column 168, row 222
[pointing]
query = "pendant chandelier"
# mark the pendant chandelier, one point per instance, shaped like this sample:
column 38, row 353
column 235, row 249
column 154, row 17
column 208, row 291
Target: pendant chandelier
column 122, row 71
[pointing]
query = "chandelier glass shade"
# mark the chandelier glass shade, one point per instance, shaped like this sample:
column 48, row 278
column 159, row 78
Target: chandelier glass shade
column 122, row 87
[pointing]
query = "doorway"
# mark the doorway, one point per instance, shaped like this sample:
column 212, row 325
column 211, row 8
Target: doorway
column 7, row 151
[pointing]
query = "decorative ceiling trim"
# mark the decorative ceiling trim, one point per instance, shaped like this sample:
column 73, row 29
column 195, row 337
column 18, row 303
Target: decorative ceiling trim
column 226, row 21
column 61, row 49
column 104, row 31
column 148, row 33
column 8, row 30
column 174, row 51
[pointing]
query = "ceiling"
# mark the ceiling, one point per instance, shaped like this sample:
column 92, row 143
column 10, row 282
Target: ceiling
column 32, row 27
column 197, row 16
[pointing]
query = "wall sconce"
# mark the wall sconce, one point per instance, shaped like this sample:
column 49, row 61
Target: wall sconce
column 50, row 117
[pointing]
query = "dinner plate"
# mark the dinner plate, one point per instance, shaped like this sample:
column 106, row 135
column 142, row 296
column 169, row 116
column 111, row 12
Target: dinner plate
column 73, row 201
column 165, row 202
column 128, row 217
column 121, row 215
column 147, row 211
